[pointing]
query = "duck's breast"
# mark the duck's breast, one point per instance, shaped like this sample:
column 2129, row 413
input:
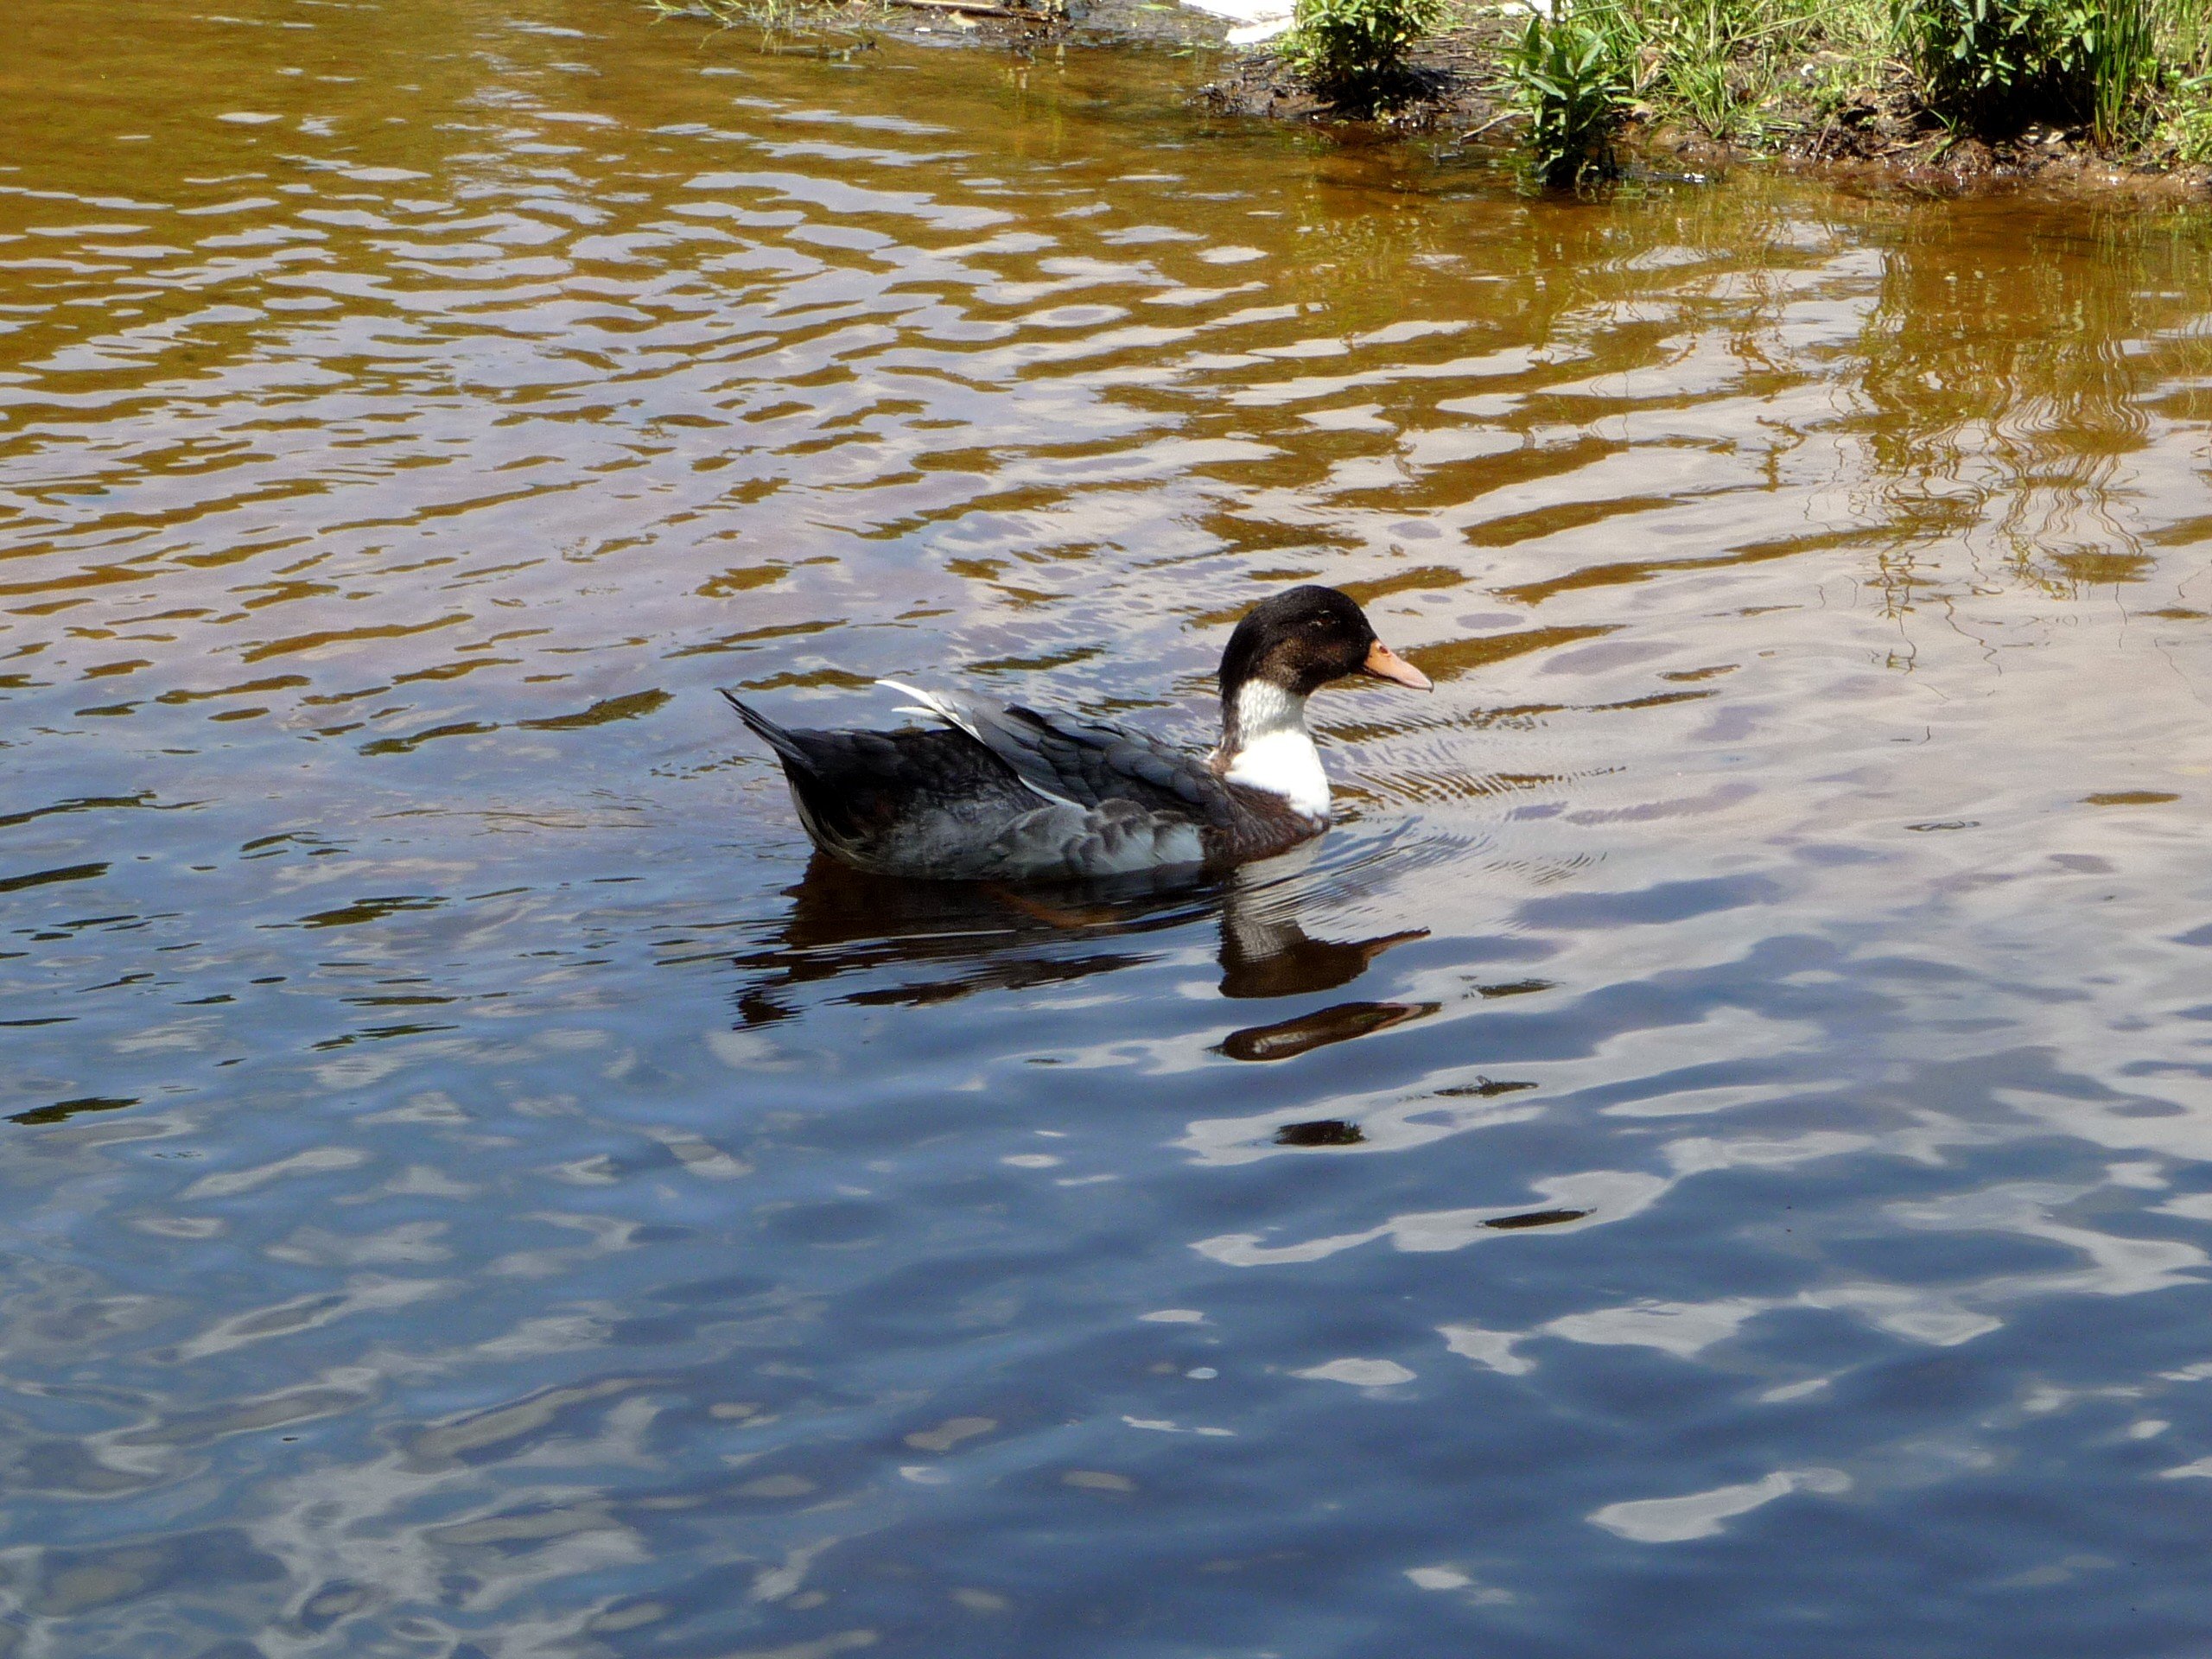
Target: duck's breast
column 1286, row 766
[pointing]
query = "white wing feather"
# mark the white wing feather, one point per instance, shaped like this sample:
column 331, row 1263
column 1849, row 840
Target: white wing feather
column 930, row 706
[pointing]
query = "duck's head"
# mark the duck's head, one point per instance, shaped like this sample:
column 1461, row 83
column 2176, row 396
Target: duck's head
column 1285, row 649
column 1300, row 639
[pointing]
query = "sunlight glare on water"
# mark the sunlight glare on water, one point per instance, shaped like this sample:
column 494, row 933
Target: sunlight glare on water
column 1712, row 1156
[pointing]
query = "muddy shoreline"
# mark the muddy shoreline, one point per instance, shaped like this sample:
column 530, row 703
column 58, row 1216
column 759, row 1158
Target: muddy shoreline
column 1883, row 143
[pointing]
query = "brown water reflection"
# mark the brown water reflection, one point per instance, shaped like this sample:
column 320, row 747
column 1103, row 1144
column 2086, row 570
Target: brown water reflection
column 1711, row 1153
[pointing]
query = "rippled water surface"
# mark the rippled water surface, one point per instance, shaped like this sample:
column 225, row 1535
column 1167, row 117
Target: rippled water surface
column 474, row 1190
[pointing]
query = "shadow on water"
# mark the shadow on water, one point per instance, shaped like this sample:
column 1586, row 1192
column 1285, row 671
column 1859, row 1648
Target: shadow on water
column 915, row 944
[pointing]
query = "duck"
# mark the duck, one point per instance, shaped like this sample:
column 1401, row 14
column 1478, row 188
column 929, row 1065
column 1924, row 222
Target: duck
column 992, row 791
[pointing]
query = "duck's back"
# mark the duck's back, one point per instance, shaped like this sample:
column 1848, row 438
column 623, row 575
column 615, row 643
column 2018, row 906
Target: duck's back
column 1010, row 793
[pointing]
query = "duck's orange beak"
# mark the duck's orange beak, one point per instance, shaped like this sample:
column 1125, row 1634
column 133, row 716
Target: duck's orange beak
column 1385, row 664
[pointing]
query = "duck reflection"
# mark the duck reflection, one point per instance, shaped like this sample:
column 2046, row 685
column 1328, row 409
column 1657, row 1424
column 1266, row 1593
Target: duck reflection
column 918, row 942
column 1266, row 953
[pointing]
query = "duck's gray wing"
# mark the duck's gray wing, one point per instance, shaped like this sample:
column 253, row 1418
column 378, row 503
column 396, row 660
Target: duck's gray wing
column 1085, row 763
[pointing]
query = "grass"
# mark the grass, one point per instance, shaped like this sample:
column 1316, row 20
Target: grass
column 1736, row 70
column 1995, row 66
column 2130, row 77
column 1355, row 53
column 764, row 13
column 2182, row 41
column 778, row 21
column 1569, row 75
column 2188, row 125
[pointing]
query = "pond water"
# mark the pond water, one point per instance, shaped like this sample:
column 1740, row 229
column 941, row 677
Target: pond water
column 473, row 1189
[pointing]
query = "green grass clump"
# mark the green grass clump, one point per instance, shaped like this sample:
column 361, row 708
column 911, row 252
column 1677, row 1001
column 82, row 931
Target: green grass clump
column 2129, row 71
column 1993, row 66
column 2114, row 39
column 1355, row 52
column 2181, row 33
column 1716, row 61
column 2187, row 121
column 1738, row 69
column 1567, row 75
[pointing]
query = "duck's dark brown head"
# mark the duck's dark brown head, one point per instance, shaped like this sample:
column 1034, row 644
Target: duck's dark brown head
column 1299, row 640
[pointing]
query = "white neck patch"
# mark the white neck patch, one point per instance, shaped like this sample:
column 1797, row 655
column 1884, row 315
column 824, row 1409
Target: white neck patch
column 1274, row 751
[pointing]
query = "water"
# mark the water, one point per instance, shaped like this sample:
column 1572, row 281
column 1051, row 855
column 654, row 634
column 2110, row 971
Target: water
column 475, row 1190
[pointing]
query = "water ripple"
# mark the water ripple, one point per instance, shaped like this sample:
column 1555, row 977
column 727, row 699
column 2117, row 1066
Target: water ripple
column 477, row 1187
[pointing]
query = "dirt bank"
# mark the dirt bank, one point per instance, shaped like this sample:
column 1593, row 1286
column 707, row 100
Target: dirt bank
column 1880, row 141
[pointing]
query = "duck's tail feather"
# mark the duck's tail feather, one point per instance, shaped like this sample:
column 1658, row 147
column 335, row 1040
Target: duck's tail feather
column 810, row 768
column 784, row 743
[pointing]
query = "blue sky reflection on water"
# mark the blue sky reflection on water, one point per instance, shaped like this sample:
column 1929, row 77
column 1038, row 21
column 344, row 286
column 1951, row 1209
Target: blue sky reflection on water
column 1712, row 1154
